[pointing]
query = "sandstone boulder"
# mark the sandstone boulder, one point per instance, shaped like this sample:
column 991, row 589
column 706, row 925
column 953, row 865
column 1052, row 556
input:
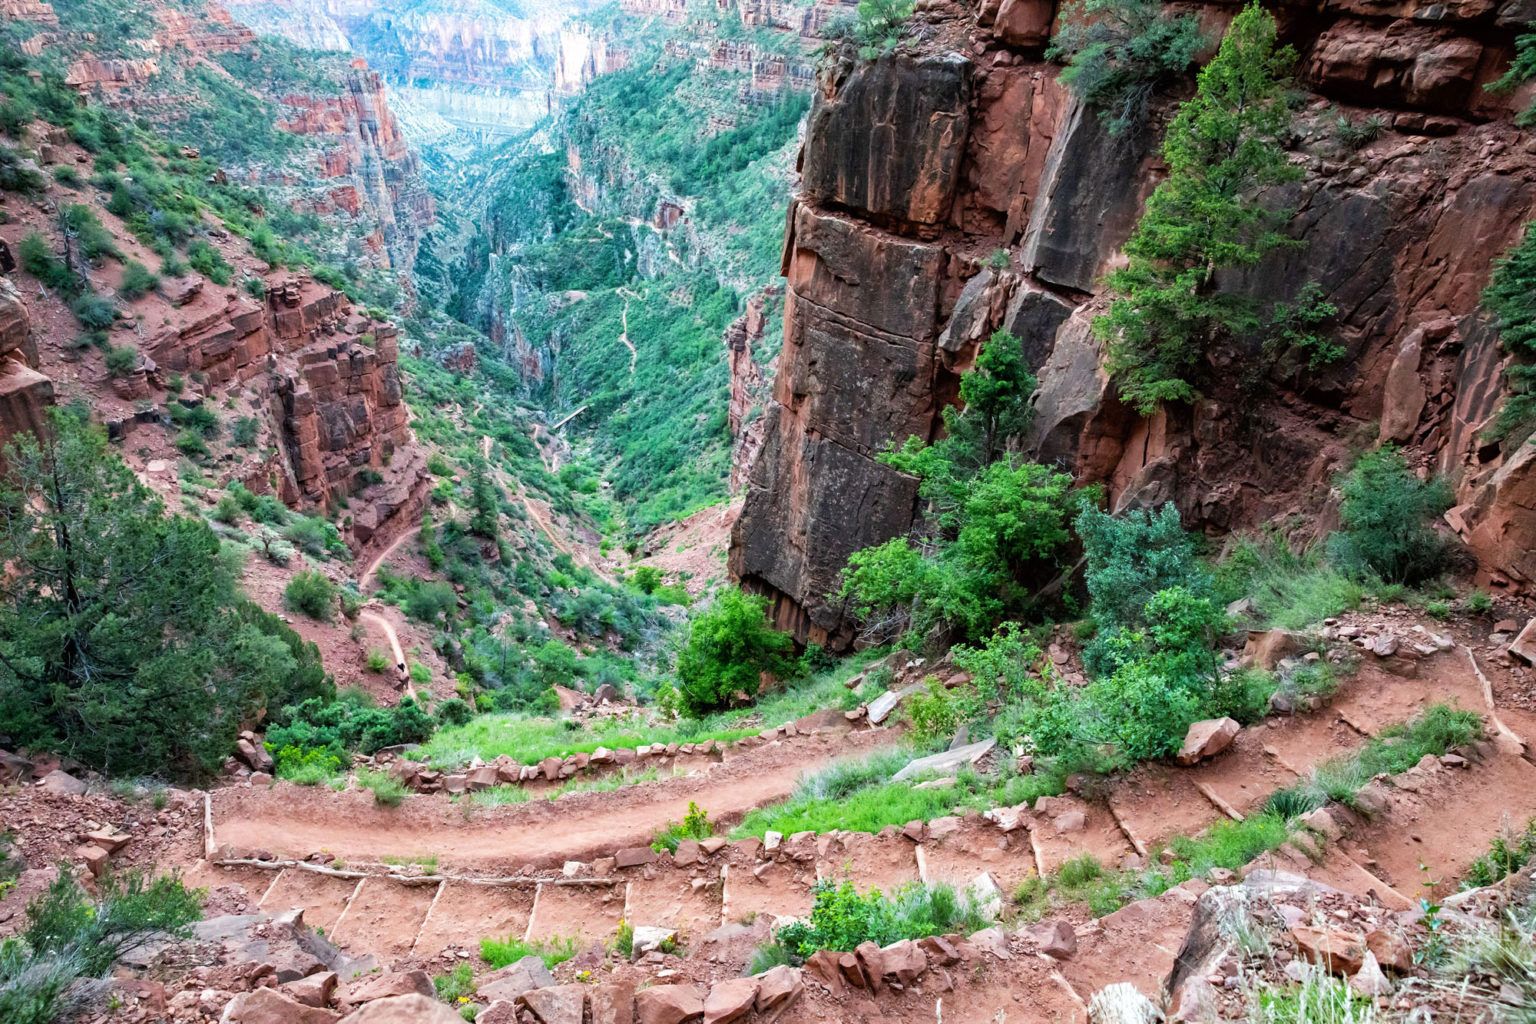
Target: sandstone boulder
column 1336, row 950
column 515, row 979
column 409, row 1009
column 558, row 1004
column 730, row 1001
column 1056, row 939
column 669, row 1004
column 1207, row 739
column 388, row 985
column 269, row 1006
column 777, row 989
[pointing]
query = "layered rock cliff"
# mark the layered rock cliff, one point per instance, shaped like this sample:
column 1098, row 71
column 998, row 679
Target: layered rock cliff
column 920, row 165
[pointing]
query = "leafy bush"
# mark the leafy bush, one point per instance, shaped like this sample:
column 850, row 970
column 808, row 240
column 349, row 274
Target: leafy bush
column 842, row 917
column 191, row 444
column 93, row 311
column 936, row 712
column 337, row 726
column 1505, row 856
column 122, row 360
column 209, row 262
column 1000, row 524
column 244, row 430
column 312, row 536
column 1385, row 515
column 1223, row 147
column 1119, row 53
column 387, row 790
column 377, row 661
column 454, row 711
column 138, row 281
column 68, row 937
column 16, row 176
column 729, row 646
column 311, row 593
column 80, row 223
column 695, row 825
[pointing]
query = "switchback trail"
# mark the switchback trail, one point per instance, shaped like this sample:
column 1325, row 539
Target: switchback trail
column 384, row 626
column 379, row 559
column 288, row 821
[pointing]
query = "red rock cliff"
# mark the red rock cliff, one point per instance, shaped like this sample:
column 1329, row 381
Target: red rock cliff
column 917, row 166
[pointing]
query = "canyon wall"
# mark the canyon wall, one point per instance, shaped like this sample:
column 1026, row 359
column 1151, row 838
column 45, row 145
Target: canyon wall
column 919, row 166
column 488, row 69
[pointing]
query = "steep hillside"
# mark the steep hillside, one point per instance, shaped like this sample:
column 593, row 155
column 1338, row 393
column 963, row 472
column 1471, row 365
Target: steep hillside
column 314, row 131
column 1002, row 199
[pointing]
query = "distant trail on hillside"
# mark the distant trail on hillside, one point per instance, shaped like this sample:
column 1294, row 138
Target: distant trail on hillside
column 384, row 626
column 379, row 559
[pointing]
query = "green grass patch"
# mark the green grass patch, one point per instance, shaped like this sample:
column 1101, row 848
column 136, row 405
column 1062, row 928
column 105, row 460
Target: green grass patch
column 387, row 790
column 504, row 952
column 842, row 917
column 528, row 739
column 1505, row 856
column 1288, row 590
column 855, row 795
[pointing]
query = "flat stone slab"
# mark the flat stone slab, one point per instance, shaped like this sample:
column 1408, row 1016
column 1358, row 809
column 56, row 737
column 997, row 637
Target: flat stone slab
column 947, row 762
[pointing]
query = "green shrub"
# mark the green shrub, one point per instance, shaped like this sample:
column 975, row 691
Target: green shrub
column 228, row 510
column 454, row 711
column 1511, row 298
column 377, row 660
column 311, row 593
column 93, row 311
column 312, row 536
column 243, row 432
column 1120, row 53
column 695, row 825
column 36, row 257
column 1385, row 520
column 16, row 176
column 1505, row 856
column 1521, row 69
column 69, row 937
column 387, row 790
column 80, row 223
column 191, row 444
column 209, row 262
column 138, row 281
column 457, row 986
column 345, row 724
column 936, row 712
column 122, row 360
column 842, row 917
column 646, row 579
column 729, row 646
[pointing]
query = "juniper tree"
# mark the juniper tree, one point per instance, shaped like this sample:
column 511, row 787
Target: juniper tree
column 1222, row 148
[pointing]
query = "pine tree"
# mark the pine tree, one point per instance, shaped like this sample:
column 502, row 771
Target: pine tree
column 1223, row 147
column 124, row 641
column 484, row 501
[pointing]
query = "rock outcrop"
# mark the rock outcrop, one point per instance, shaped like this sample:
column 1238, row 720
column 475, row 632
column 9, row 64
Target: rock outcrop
column 25, row 394
column 921, row 164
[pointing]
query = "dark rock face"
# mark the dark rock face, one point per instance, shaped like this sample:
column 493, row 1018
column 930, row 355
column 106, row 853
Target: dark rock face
column 918, row 170
column 886, row 138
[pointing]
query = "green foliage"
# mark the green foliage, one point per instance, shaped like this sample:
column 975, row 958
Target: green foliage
column 1000, row 524
column 1505, row 856
column 1511, row 298
column 84, row 230
column 243, row 432
column 138, row 281
column 1522, row 69
column 16, row 176
column 321, row 731
column 729, row 646
column 842, row 917
column 646, row 579
column 121, row 360
column 1120, row 53
column 311, row 593
column 454, row 711
column 1385, row 520
column 695, row 825
column 499, row 953
column 37, row 258
column 387, row 790
column 209, row 262
column 69, row 936
column 93, row 311
column 1289, row 590
column 484, row 501
column 191, row 444
column 123, row 639
column 457, row 986
column 314, row 536
column 935, row 712
column 876, row 27
column 1223, row 146
column 1129, row 558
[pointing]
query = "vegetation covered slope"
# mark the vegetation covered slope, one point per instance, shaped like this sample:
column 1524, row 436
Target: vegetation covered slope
column 618, row 242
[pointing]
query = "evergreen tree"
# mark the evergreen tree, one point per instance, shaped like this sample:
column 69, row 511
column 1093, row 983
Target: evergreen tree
column 123, row 640
column 1119, row 53
column 1222, row 148
column 1511, row 297
column 485, row 503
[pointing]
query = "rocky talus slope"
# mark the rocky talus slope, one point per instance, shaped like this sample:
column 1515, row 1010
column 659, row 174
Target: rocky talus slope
column 919, row 166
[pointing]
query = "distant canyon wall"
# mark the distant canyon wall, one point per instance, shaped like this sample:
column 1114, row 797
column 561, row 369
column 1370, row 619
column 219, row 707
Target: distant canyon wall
column 917, row 167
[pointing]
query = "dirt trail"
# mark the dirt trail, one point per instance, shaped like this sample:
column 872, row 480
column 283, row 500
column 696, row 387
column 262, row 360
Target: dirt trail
column 624, row 335
column 289, row 821
column 384, row 626
column 373, row 567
